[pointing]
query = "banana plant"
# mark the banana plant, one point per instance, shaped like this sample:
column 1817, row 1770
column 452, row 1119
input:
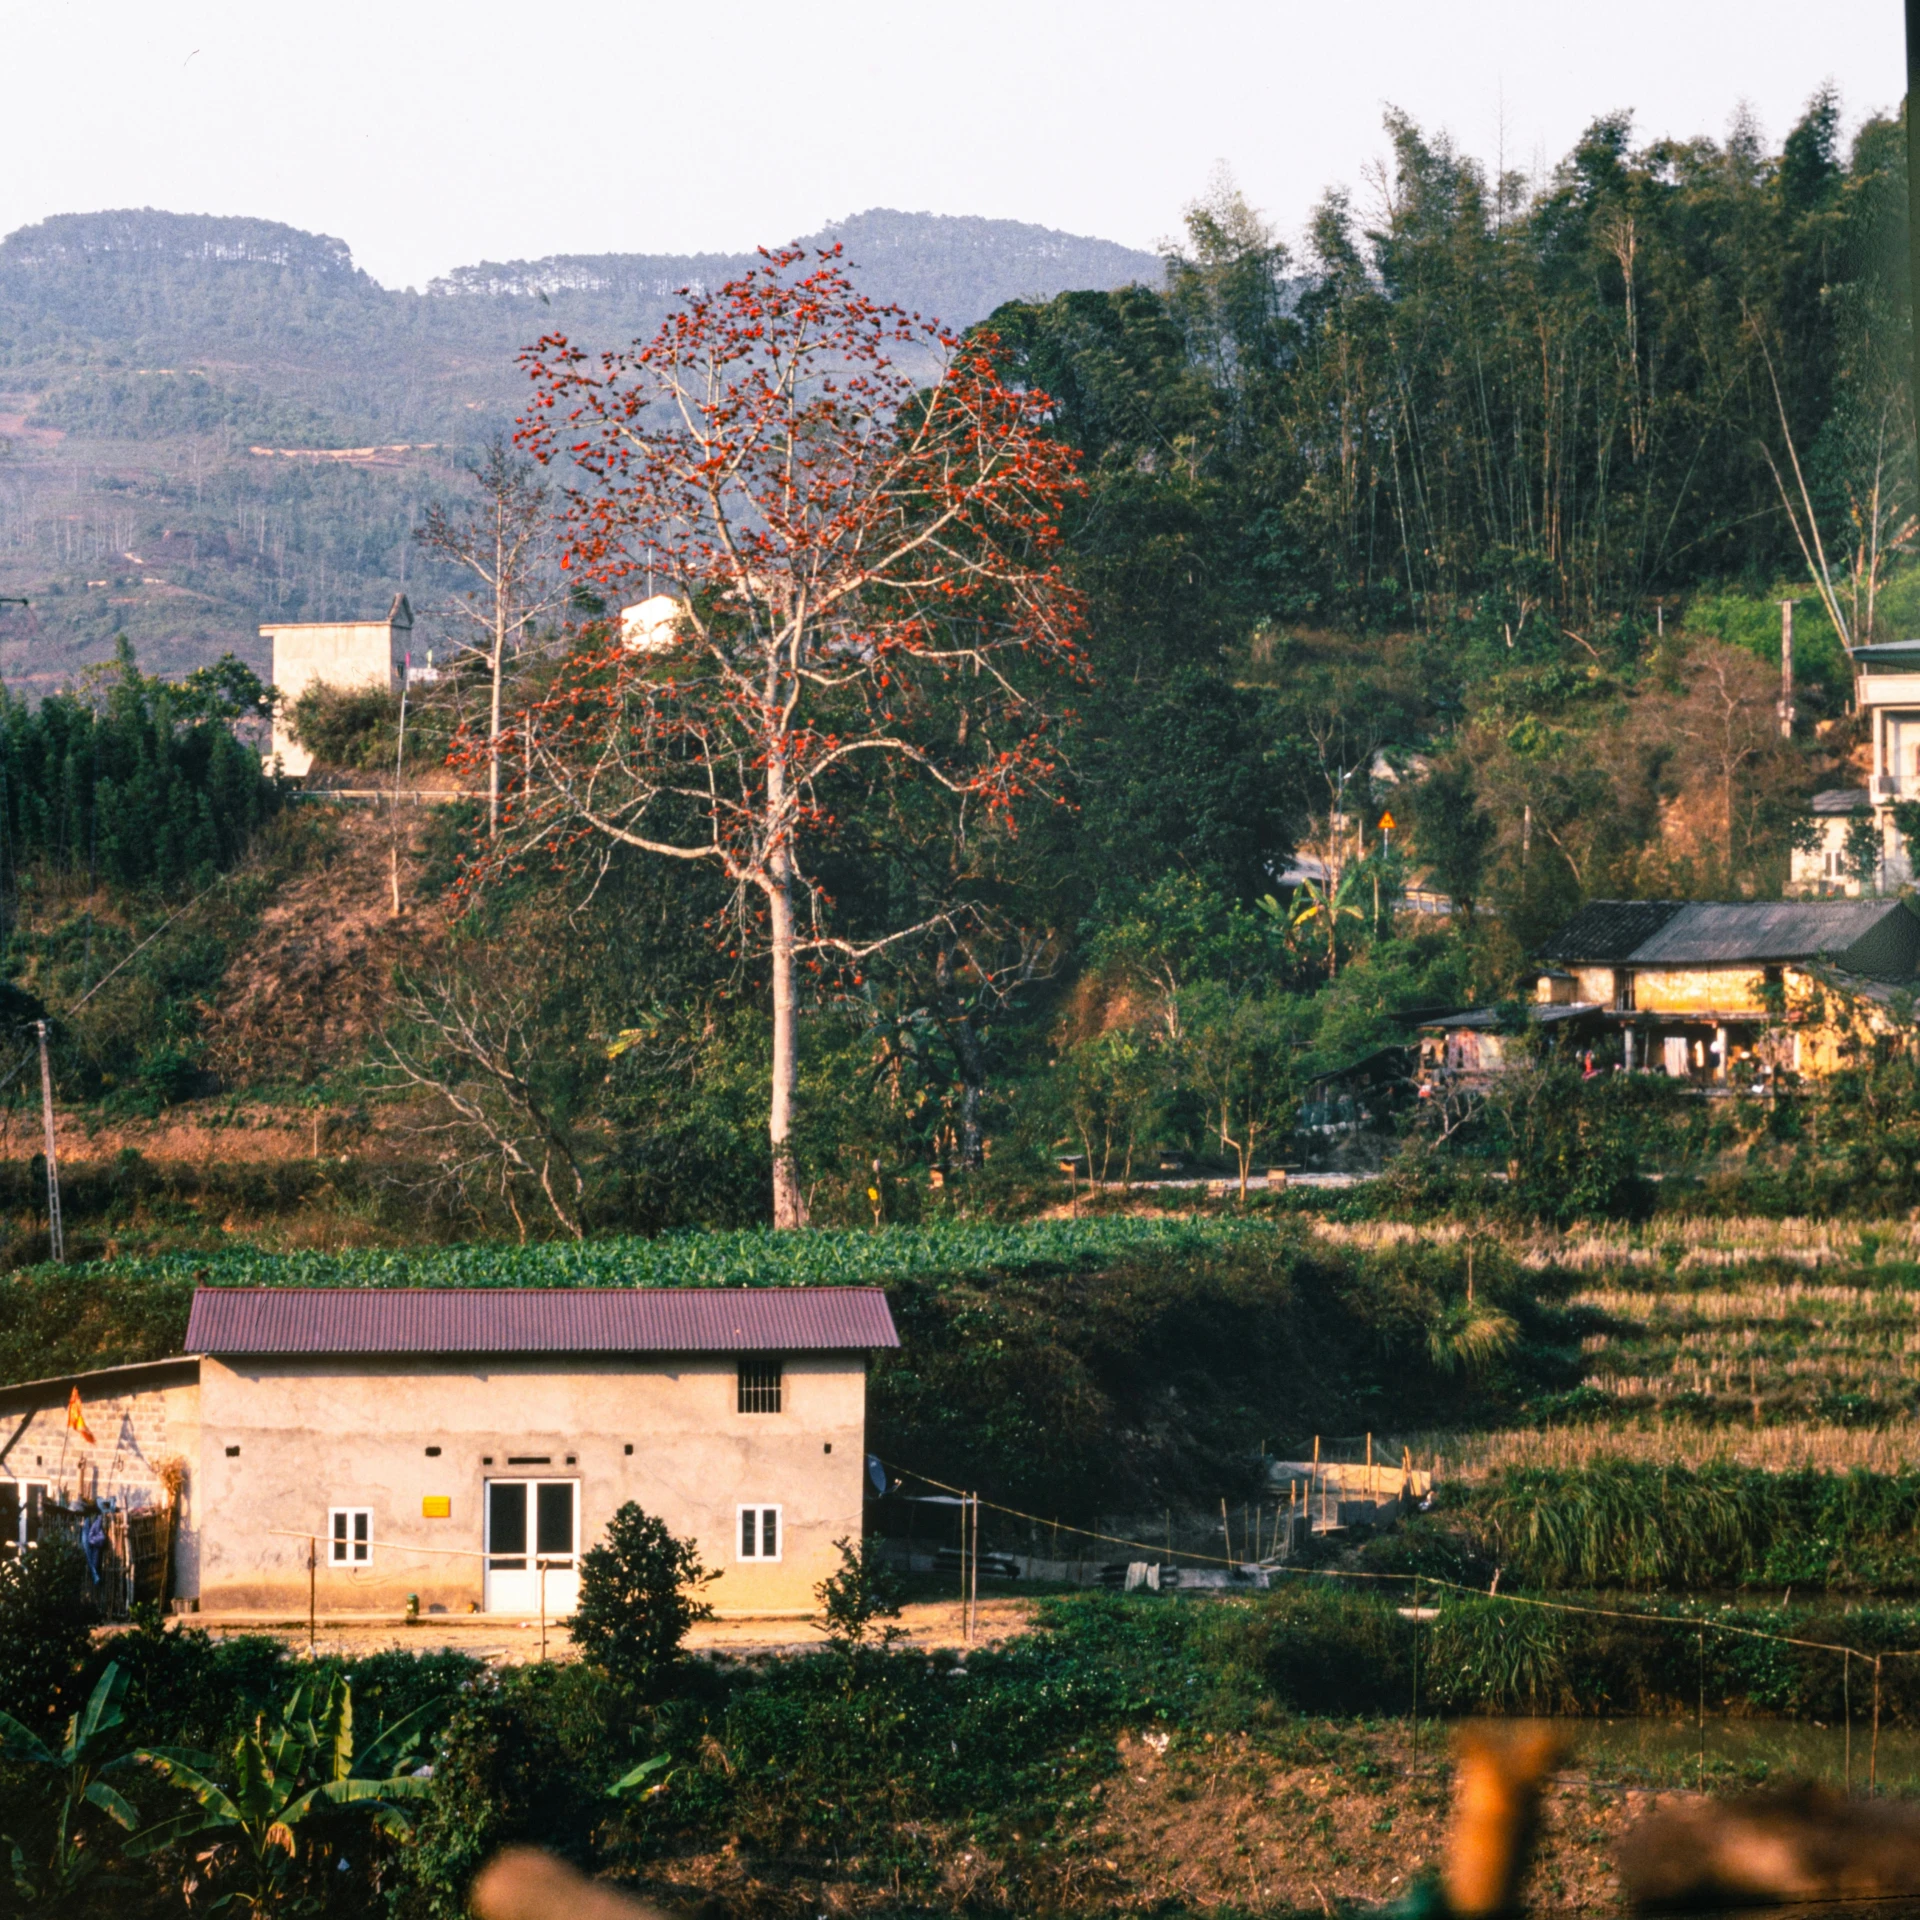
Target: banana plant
column 636, row 1782
column 85, row 1753
column 1316, row 900
column 248, row 1816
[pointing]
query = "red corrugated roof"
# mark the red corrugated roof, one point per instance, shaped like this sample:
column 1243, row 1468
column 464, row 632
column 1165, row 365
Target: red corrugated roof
column 274, row 1320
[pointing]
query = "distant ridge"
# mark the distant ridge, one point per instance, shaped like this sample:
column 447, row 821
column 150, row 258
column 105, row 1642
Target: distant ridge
column 145, row 355
column 916, row 250
column 961, row 255
column 131, row 233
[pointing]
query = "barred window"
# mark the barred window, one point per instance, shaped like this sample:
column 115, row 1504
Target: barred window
column 759, row 1386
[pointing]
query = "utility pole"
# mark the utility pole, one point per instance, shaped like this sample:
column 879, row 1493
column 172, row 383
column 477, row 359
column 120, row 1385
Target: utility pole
column 1786, row 669
column 56, row 1239
column 1913, row 180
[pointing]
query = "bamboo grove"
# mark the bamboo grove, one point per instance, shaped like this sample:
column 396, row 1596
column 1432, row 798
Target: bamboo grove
column 1570, row 396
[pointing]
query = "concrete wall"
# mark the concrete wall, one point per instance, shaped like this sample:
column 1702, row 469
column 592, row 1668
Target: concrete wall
column 1594, row 985
column 312, row 1435
column 1824, row 872
column 359, row 653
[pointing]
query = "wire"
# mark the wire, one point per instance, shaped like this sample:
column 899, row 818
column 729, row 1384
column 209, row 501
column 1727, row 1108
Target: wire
column 1692, row 1623
column 147, row 942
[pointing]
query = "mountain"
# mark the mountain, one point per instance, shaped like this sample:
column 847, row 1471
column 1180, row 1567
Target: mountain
column 206, row 423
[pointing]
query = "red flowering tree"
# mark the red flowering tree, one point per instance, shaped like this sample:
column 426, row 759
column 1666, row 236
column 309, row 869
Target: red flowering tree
column 865, row 586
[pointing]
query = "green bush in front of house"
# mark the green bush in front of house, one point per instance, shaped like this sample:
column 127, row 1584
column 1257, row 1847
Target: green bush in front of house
column 45, row 1631
column 638, row 1596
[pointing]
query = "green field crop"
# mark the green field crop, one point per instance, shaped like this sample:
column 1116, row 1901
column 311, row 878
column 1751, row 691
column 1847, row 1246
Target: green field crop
column 751, row 1257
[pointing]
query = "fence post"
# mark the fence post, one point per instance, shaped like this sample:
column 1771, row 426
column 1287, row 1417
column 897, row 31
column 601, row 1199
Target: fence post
column 1873, row 1751
column 311, row 1585
column 1414, row 1768
column 973, row 1575
column 1846, row 1709
column 1700, row 1775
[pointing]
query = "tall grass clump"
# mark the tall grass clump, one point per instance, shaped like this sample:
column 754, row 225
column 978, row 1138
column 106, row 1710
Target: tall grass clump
column 1622, row 1523
column 1630, row 1523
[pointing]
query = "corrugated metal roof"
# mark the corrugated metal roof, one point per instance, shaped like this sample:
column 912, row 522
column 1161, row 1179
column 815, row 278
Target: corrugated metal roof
column 1876, row 937
column 1841, row 800
column 133, row 1377
column 1487, row 1019
column 469, row 1320
column 1606, row 930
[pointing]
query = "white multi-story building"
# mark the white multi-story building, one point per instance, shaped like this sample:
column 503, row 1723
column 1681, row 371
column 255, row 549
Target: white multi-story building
column 1887, row 690
column 336, row 653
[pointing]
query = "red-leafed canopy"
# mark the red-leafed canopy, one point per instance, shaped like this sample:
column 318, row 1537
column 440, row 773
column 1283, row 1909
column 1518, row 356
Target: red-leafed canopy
column 858, row 520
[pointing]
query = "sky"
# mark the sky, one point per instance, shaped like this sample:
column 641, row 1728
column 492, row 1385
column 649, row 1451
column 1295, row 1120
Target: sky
column 429, row 134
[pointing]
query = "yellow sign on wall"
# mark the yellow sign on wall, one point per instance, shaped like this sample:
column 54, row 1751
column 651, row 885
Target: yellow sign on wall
column 436, row 1506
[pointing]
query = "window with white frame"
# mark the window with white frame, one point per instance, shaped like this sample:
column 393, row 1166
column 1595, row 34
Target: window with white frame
column 758, row 1535
column 349, row 1536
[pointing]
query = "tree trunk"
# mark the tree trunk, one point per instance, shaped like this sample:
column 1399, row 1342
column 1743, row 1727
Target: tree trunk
column 789, row 1209
column 970, row 1057
column 493, row 717
column 972, row 1146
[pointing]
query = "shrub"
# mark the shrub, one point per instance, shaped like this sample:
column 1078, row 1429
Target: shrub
column 44, row 1637
column 637, row 1601
column 524, row 1758
column 1620, row 1523
column 347, row 726
column 863, row 1591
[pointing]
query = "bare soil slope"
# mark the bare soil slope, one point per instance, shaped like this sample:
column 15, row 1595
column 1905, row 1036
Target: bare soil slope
column 313, row 984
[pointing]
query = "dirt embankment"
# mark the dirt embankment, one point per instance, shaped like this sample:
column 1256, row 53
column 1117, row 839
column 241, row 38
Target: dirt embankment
column 194, row 1135
column 312, row 985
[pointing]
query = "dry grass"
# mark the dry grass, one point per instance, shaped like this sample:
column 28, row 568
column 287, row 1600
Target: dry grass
column 1707, row 1346
column 1785, row 1448
column 1795, row 1300
column 1769, row 1349
column 1661, row 1243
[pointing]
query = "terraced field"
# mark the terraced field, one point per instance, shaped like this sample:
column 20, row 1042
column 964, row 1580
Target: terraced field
column 1777, row 1344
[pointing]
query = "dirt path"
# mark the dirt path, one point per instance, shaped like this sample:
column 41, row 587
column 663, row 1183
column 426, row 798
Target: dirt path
column 512, row 1642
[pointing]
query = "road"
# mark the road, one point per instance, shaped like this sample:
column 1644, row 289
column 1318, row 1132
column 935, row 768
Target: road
column 930, row 1624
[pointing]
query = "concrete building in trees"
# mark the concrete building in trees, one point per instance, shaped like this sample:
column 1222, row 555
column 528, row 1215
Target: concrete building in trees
column 1855, row 844
column 334, row 653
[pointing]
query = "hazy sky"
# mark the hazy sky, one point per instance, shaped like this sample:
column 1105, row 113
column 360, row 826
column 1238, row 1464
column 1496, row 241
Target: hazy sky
column 428, row 134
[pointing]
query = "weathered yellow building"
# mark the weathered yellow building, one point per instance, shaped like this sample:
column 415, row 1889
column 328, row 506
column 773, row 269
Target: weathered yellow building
column 464, row 1446
column 1721, row 994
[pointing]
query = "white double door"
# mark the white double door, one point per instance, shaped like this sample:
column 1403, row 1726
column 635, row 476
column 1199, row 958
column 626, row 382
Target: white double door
column 533, row 1546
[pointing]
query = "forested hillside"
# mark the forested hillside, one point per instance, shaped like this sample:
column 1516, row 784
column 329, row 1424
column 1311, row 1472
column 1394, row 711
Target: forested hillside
column 182, row 398
column 1516, row 469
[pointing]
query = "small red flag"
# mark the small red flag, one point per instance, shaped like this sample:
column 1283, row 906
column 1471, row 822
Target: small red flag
column 77, row 1419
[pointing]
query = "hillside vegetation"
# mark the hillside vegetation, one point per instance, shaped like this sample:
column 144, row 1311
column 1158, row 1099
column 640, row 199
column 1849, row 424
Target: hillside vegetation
column 168, row 383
